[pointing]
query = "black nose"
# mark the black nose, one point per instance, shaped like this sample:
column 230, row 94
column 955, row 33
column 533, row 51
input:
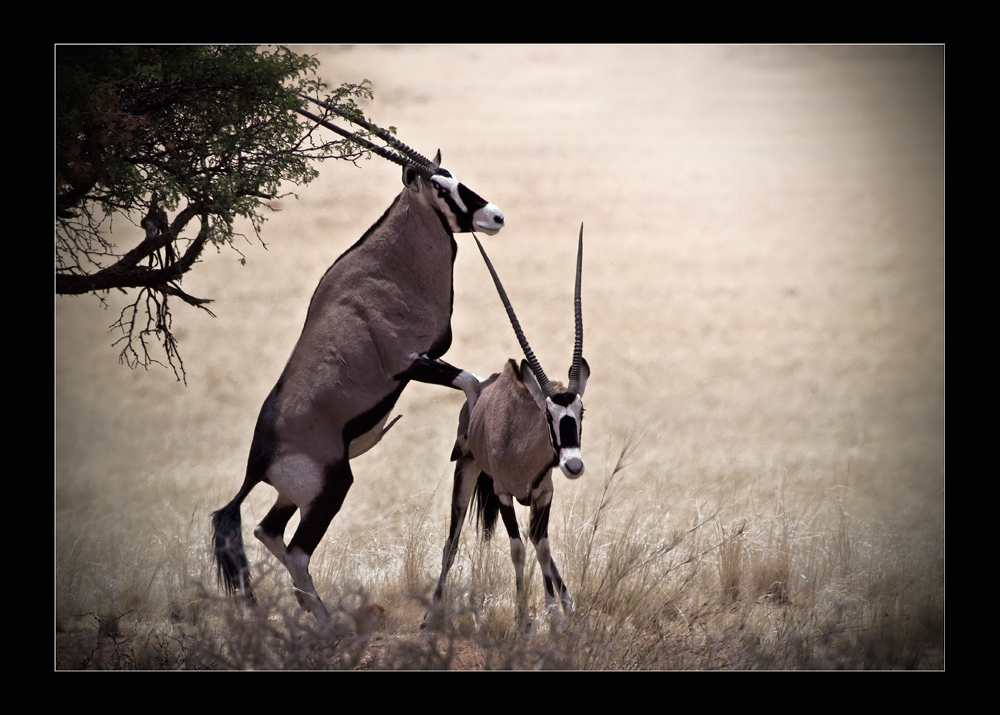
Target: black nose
column 498, row 219
column 573, row 467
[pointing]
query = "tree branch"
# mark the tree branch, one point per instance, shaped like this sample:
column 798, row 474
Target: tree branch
column 126, row 273
column 152, row 127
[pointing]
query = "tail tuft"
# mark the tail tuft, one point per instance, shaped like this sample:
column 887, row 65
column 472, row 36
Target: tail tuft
column 232, row 569
column 486, row 505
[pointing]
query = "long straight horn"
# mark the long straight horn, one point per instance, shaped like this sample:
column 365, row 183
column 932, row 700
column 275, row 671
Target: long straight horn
column 543, row 381
column 421, row 163
column 409, row 154
column 574, row 371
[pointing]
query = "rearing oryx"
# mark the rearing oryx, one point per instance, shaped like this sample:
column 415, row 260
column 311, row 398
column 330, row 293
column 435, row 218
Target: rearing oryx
column 519, row 429
column 380, row 317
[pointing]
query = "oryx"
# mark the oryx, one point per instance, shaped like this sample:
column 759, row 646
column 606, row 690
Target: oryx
column 521, row 427
column 380, row 317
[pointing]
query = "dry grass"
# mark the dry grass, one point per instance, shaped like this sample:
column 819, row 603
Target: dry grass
column 766, row 593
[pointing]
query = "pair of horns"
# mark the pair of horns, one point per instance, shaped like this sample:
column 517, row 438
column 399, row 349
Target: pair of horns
column 574, row 371
column 406, row 155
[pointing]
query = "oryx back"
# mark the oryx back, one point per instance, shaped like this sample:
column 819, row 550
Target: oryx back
column 508, row 436
column 381, row 304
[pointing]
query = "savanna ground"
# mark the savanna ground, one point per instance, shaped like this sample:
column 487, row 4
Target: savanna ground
column 764, row 315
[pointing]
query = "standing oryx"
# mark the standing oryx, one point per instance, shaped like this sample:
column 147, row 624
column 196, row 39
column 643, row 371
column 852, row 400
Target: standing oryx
column 380, row 317
column 519, row 429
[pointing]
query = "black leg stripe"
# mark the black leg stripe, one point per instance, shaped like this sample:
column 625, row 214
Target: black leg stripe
column 274, row 523
column 317, row 516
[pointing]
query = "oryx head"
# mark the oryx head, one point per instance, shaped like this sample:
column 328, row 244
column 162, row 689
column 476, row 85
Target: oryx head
column 460, row 207
column 563, row 408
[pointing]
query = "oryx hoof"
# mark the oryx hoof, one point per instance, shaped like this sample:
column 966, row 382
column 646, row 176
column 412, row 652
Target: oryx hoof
column 554, row 616
column 435, row 620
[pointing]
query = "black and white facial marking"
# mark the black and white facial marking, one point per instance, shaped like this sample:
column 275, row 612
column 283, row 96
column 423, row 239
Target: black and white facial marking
column 564, row 412
column 564, row 416
column 463, row 208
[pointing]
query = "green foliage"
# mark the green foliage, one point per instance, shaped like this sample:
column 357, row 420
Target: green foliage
column 202, row 132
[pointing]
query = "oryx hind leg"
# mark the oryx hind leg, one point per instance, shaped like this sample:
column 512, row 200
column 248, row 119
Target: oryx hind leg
column 271, row 530
column 521, row 617
column 466, row 476
column 316, row 517
column 539, row 532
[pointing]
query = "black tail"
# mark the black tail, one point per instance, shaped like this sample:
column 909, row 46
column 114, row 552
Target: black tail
column 486, row 505
column 232, row 569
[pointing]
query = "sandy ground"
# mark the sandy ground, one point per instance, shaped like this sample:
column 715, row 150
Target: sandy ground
column 763, row 285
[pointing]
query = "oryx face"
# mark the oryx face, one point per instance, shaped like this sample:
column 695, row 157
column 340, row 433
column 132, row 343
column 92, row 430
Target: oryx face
column 564, row 416
column 564, row 412
column 463, row 208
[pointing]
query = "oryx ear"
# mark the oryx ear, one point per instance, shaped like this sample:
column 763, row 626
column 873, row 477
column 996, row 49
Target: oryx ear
column 411, row 178
column 531, row 382
column 584, row 374
column 437, row 158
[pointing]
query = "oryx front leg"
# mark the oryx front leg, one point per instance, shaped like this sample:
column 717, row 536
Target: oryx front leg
column 438, row 372
column 539, row 532
column 466, row 475
column 517, row 556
